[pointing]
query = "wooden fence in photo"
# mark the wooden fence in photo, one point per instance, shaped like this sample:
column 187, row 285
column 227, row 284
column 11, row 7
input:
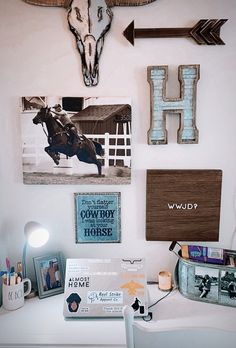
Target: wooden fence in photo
column 117, row 149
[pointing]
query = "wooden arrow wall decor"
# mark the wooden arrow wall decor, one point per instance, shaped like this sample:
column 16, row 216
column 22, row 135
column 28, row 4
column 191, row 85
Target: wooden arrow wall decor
column 205, row 32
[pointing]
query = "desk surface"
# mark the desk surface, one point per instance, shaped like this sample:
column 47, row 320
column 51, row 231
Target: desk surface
column 41, row 322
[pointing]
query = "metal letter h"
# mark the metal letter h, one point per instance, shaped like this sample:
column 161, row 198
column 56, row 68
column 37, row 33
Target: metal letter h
column 188, row 76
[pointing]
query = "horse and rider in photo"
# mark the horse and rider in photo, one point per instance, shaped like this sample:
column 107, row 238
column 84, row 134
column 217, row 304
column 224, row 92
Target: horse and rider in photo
column 64, row 138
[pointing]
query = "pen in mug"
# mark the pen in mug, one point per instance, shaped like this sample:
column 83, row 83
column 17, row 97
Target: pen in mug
column 8, row 264
column 4, row 277
column 13, row 276
column 19, row 269
column 7, row 278
column 18, row 279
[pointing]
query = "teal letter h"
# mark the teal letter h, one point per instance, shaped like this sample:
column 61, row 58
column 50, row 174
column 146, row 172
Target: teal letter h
column 185, row 105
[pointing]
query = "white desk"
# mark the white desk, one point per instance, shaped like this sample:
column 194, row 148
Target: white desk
column 40, row 323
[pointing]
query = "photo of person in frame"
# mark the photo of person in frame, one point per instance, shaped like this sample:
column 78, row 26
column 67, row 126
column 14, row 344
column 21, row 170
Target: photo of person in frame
column 203, row 284
column 228, row 288
column 50, row 274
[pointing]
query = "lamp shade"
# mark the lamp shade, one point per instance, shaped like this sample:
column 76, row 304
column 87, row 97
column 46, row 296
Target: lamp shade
column 36, row 235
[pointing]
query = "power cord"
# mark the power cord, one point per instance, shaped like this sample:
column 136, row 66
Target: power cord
column 149, row 316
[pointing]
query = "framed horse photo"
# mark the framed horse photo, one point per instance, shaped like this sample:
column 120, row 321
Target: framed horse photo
column 76, row 140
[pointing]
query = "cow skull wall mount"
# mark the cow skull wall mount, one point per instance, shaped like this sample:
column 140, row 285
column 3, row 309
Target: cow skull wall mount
column 89, row 21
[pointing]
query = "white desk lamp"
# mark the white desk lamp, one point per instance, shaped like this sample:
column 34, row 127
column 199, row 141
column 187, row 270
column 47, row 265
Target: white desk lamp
column 36, row 236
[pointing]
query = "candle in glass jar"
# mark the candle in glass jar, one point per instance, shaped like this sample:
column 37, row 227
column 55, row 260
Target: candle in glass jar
column 164, row 281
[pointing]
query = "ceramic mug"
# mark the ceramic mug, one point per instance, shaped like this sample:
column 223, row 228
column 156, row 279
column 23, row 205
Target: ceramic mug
column 13, row 296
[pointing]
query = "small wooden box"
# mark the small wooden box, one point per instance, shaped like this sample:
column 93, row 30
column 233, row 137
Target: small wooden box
column 183, row 205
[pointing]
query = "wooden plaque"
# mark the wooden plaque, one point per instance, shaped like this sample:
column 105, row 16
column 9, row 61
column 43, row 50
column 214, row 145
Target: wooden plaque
column 183, row 205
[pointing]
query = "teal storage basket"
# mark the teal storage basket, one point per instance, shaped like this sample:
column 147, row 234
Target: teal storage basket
column 206, row 282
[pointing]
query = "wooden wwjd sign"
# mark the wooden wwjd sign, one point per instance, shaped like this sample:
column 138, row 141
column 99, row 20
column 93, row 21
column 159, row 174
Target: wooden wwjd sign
column 183, row 205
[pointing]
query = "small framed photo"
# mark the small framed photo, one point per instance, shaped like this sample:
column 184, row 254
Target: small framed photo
column 204, row 283
column 97, row 217
column 49, row 272
column 228, row 287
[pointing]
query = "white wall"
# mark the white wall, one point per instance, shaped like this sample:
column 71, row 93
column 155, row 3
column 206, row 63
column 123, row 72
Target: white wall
column 38, row 57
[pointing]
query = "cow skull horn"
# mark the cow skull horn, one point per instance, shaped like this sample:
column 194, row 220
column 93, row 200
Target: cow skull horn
column 112, row 3
column 58, row 3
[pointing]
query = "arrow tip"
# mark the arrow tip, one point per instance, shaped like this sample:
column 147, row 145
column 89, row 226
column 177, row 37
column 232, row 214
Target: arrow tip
column 129, row 33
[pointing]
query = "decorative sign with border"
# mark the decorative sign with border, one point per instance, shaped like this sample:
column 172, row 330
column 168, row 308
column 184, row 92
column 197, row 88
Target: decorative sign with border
column 104, row 125
column 183, row 205
column 97, row 217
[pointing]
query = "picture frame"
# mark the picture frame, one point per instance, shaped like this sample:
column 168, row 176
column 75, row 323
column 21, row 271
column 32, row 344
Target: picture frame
column 104, row 125
column 204, row 284
column 227, row 290
column 97, row 217
column 50, row 274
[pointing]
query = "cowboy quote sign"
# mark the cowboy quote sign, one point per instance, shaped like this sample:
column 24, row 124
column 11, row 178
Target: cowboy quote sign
column 97, row 217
